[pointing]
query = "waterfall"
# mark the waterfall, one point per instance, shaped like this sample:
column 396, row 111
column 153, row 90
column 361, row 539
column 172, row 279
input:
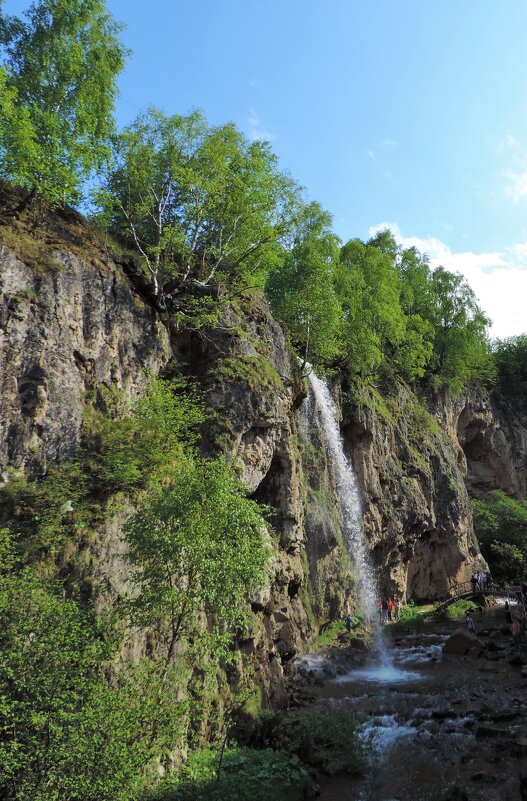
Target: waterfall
column 348, row 495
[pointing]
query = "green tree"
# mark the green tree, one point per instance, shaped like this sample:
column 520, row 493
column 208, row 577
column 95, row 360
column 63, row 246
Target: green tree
column 199, row 203
column 461, row 347
column 510, row 356
column 500, row 523
column 17, row 135
column 367, row 285
column 196, row 547
column 62, row 61
column 66, row 732
column 301, row 292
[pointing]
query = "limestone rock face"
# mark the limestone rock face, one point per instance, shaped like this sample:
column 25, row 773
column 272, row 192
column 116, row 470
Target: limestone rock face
column 417, row 511
column 493, row 436
column 83, row 322
column 63, row 332
column 253, row 386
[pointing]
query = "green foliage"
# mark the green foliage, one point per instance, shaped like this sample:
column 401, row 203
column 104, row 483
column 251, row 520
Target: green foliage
column 367, row 285
column 458, row 609
column 511, row 365
column 17, row 135
column 61, row 63
column 66, row 732
column 410, row 617
column 198, row 202
column 301, row 292
column 74, row 723
column 123, row 450
column 461, row 349
column 321, row 736
column 196, row 547
column 131, row 447
column 500, row 524
column 328, row 636
column 245, row 775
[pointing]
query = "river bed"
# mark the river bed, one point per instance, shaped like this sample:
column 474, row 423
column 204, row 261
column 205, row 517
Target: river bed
column 437, row 727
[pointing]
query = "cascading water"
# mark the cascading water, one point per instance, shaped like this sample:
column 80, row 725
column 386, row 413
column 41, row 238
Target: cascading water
column 348, row 496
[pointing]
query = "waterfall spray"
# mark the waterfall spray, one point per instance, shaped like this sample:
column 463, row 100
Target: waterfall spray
column 350, row 508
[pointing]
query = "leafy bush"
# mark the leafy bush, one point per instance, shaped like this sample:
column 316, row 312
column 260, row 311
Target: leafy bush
column 500, row 524
column 66, row 731
column 328, row 636
column 321, row 736
column 511, row 364
column 246, row 775
column 410, row 617
column 458, row 609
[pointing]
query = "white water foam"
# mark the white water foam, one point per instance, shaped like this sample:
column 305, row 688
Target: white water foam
column 384, row 673
column 382, row 731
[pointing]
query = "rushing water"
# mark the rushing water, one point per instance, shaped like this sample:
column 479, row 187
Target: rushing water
column 348, row 496
column 437, row 728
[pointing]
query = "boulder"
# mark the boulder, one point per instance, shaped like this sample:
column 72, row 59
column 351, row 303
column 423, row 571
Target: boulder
column 461, row 643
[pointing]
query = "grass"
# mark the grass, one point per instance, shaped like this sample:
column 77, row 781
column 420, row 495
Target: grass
column 411, row 617
column 458, row 609
column 328, row 636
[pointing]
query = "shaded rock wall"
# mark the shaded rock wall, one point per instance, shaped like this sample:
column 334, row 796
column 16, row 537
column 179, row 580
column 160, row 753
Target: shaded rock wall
column 493, row 435
column 417, row 511
column 64, row 331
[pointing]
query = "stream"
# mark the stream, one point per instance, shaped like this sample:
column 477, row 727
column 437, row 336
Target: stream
column 435, row 727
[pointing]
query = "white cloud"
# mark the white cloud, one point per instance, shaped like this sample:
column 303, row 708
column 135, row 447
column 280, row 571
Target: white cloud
column 257, row 132
column 516, row 187
column 499, row 279
column 388, row 143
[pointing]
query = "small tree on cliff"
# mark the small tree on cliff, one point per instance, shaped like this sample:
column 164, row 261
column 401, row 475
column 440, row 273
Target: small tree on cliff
column 199, row 203
column 62, row 62
column 196, row 547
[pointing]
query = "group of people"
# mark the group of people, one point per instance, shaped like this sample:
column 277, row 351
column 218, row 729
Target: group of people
column 481, row 580
column 389, row 609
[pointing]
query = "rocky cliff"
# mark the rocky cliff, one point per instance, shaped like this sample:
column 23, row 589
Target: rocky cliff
column 81, row 317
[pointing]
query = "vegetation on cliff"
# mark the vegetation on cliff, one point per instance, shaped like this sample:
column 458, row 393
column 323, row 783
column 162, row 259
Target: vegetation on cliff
column 210, row 217
column 500, row 523
column 77, row 719
column 211, row 213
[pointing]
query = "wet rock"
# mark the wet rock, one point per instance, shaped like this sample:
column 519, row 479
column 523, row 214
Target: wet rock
column 487, row 778
column 499, row 717
column 441, row 714
column 489, row 731
column 461, row 643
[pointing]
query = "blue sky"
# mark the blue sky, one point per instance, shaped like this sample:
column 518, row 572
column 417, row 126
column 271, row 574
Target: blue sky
column 408, row 113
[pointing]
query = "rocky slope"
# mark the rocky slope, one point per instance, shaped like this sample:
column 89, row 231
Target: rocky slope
column 74, row 317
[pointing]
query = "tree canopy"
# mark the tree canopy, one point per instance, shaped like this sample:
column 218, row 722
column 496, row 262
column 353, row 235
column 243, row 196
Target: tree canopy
column 511, row 364
column 198, row 202
column 60, row 65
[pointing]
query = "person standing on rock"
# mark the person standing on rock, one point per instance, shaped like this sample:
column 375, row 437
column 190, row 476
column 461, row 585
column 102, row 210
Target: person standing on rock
column 471, row 626
column 397, row 608
column 474, row 582
column 390, row 609
column 349, row 623
column 508, row 613
column 384, row 610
